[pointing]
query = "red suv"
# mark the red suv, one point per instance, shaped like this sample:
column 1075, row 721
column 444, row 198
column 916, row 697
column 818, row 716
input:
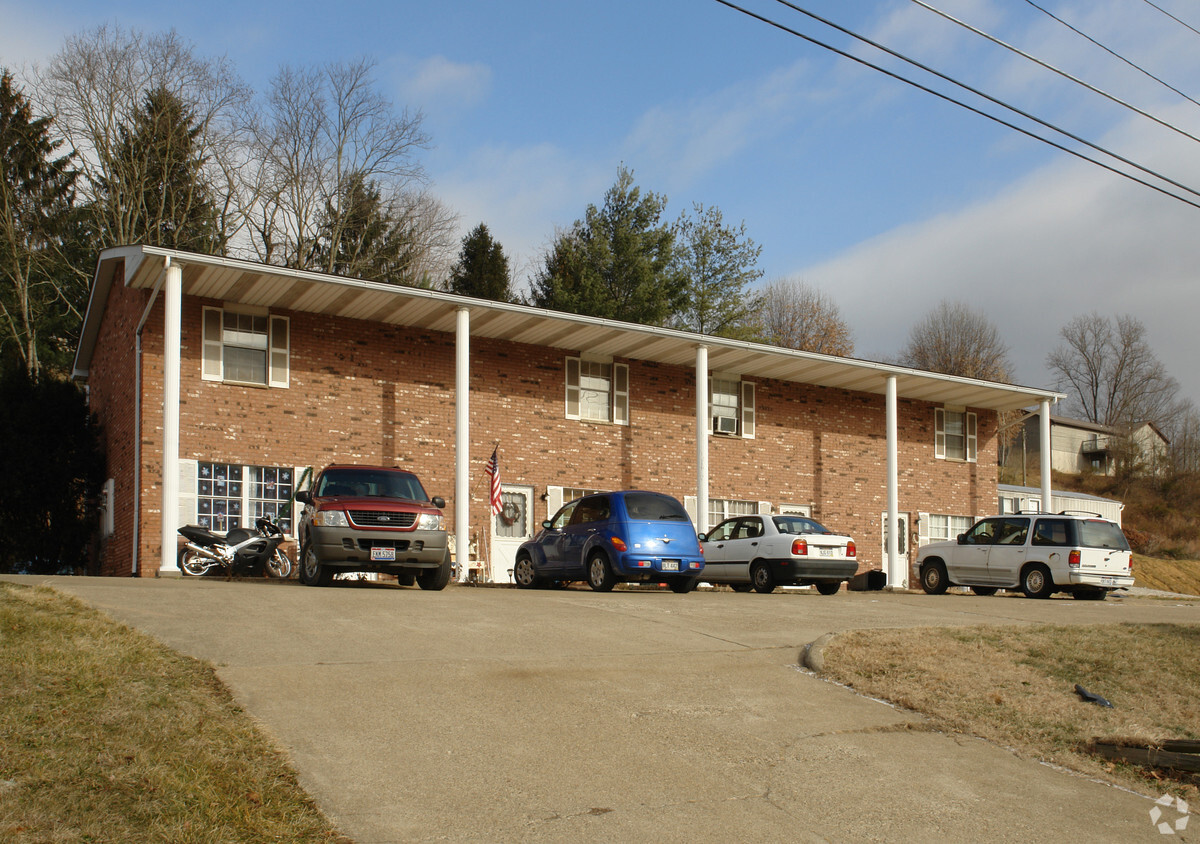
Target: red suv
column 372, row 518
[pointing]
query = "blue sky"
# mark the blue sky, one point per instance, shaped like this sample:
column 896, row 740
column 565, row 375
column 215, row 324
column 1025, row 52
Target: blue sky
column 884, row 197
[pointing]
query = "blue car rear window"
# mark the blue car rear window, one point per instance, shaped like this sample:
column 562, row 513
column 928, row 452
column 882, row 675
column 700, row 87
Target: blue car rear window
column 645, row 506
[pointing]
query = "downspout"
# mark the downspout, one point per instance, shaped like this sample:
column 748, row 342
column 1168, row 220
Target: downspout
column 137, row 414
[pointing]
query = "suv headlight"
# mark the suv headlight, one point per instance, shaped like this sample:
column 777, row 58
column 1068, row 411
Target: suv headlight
column 330, row 518
column 431, row 521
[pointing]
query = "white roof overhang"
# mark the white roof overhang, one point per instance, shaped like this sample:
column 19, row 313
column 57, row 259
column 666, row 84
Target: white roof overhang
column 279, row 288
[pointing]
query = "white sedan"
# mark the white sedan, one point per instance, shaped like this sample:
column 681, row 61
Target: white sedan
column 768, row 551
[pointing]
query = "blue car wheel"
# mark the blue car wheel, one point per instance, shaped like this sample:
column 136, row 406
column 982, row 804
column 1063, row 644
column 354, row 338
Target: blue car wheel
column 600, row 576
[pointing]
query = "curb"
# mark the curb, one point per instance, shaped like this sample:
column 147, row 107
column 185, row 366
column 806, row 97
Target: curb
column 813, row 655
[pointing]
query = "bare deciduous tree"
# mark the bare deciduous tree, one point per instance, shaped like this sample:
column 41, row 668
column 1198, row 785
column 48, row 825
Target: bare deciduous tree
column 1111, row 375
column 327, row 132
column 794, row 315
column 97, row 87
column 956, row 340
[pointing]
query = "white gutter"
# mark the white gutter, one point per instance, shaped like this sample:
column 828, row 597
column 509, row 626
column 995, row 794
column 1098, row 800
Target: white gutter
column 137, row 419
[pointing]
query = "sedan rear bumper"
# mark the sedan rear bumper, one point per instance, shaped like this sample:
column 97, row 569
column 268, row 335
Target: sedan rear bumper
column 814, row 569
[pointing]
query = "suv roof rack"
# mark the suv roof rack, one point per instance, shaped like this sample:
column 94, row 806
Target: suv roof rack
column 1079, row 513
column 1024, row 512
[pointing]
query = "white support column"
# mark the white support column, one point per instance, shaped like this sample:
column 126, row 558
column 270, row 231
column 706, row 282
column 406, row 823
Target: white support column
column 897, row 570
column 702, row 439
column 462, row 442
column 172, row 318
column 1044, row 448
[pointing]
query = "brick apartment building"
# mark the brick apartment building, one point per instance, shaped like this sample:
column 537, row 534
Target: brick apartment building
column 249, row 375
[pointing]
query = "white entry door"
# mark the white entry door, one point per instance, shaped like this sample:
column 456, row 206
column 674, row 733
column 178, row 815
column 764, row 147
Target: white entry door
column 510, row 527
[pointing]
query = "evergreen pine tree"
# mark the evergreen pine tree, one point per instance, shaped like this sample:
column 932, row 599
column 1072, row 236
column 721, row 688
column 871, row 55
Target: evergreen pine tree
column 482, row 268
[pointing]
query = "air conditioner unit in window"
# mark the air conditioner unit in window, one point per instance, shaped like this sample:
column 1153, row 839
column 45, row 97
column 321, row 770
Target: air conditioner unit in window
column 725, row 424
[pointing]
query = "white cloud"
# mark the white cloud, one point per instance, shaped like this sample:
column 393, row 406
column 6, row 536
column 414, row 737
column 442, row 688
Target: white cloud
column 686, row 141
column 1066, row 240
column 522, row 194
column 438, row 82
column 29, row 35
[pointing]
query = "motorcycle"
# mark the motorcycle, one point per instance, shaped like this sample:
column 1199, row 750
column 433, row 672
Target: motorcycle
column 241, row 549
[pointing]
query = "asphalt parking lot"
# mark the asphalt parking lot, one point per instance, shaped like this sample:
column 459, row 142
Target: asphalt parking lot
column 479, row 714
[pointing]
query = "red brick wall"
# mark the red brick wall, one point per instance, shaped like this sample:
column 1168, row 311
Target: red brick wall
column 111, row 397
column 371, row 393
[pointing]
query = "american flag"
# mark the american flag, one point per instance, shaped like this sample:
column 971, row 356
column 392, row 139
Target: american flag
column 493, row 470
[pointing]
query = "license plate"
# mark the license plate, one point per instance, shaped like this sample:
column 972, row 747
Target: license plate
column 826, row 552
column 383, row 554
column 670, row 565
column 1108, row 581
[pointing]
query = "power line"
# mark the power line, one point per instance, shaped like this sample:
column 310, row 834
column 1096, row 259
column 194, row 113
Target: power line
column 950, row 99
column 1172, row 17
column 1054, row 69
column 1136, row 67
column 987, row 96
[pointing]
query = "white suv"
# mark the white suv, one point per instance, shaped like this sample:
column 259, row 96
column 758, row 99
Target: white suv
column 1038, row 553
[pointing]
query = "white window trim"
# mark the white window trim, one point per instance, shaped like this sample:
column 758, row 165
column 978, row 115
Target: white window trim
column 971, row 434
column 925, row 519
column 212, row 363
column 618, row 399
column 745, row 414
column 189, row 475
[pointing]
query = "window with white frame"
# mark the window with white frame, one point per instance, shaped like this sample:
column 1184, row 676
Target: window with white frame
column 557, row 496
column 731, row 406
column 230, row 495
column 597, row 390
column 571, row 493
column 720, row 509
column 955, row 434
column 943, row 527
column 245, row 346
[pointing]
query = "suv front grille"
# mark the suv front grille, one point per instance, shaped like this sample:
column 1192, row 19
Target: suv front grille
column 382, row 518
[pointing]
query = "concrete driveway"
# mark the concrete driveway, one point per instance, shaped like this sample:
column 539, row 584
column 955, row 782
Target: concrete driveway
column 479, row 714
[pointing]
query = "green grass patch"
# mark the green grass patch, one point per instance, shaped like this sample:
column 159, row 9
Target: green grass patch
column 106, row 735
column 1015, row 686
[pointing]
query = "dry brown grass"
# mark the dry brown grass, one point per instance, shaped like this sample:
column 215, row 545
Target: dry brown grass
column 1015, row 686
column 105, row 735
column 1181, row 576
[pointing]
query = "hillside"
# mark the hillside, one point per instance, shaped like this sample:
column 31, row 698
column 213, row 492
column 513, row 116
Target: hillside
column 1161, row 519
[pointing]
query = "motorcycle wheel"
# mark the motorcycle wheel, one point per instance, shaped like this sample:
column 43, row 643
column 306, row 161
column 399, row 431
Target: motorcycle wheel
column 192, row 564
column 279, row 565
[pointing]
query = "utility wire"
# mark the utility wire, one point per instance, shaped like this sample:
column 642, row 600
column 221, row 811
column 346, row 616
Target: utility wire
column 1136, row 67
column 987, row 96
column 1172, row 17
column 950, row 99
column 1054, row 69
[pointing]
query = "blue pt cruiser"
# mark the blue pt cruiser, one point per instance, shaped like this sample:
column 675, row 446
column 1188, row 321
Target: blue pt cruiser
column 632, row 536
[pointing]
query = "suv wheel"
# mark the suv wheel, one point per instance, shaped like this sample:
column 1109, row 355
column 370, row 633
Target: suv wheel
column 933, row 578
column 762, row 578
column 523, row 573
column 1090, row 594
column 600, row 576
column 1036, row 582
column 435, row 579
column 312, row 573
column 984, row 591
column 829, row 588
